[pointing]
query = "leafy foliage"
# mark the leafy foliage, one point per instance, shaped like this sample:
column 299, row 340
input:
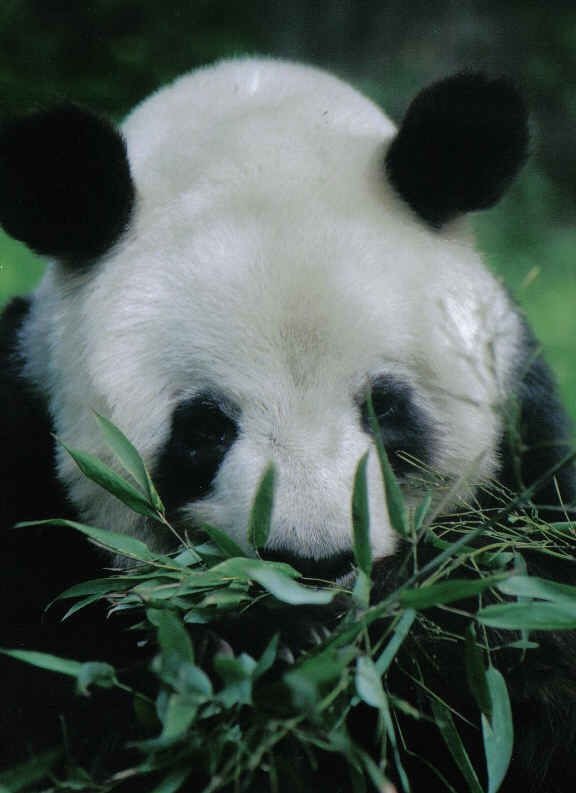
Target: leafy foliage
column 212, row 715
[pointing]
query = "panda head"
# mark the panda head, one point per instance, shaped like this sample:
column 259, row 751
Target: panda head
column 232, row 274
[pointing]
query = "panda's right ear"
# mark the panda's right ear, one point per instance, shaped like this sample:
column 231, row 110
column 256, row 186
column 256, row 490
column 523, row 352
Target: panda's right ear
column 65, row 184
column 460, row 145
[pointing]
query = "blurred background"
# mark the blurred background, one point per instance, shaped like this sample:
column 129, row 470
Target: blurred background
column 109, row 54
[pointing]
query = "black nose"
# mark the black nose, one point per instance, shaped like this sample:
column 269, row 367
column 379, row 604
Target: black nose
column 328, row 568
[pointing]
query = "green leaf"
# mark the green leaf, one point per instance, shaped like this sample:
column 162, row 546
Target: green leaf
column 401, row 630
column 445, row 592
column 289, row 591
column 194, row 682
column 52, row 663
column 199, row 617
column 369, row 683
column 452, row 739
column 568, row 526
column 361, row 518
column 524, row 644
column 313, row 674
column 261, row 513
column 34, row 769
column 243, row 568
column 95, row 673
column 187, row 558
column 86, row 673
column 96, row 586
column 173, row 637
column 123, row 544
column 108, row 479
column 87, row 601
column 531, row 587
column 476, row 672
column 237, row 674
column 266, row 660
column 225, row 543
column 421, row 511
column 376, row 776
column 131, row 461
column 224, row 599
column 498, row 731
column 394, row 498
column 369, row 687
column 179, row 714
column 361, row 591
column 532, row 615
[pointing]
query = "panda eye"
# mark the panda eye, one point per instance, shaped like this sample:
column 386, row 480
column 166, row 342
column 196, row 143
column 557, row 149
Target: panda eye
column 201, row 434
column 405, row 428
column 385, row 403
column 200, row 423
column 391, row 402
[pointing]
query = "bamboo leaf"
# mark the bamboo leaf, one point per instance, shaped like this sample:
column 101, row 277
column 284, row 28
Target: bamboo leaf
column 476, row 672
column 52, row 663
column 173, row 637
column 179, row 715
column 289, row 591
column 128, row 456
column 96, row 586
column 498, row 731
column 531, row 587
column 531, row 615
column 244, row 567
column 401, row 630
column 369, row 683
column 123, row 544
column 394, row 498
column 267, row 658
column 261, row 513
column 95, row 673
column 361, row 518
column 225, row 543
column 452, row 739
column 421, row 512
column 446, row 592
column 108, row 479
column 361, row 591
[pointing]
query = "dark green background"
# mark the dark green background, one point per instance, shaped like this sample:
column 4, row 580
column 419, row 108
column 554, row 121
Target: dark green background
column 108, row 54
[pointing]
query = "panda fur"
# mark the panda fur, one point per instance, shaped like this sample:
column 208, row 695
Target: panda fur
column 227, row 276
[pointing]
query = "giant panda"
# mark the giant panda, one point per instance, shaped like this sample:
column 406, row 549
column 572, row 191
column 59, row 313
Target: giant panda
column 228, row 274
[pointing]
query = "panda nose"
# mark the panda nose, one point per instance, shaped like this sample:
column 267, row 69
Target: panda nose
column 328, row 568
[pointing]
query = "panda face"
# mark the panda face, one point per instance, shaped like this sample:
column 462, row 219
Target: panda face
column 271, row 273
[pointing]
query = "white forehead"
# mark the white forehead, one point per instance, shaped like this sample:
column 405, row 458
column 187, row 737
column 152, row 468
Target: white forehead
column 269, row 260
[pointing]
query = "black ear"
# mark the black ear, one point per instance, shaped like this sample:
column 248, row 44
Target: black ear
column 65, row 185
column 460, row 145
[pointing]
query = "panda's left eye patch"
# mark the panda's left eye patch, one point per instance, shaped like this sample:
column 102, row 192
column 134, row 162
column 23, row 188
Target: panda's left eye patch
column 200, row 436
column 405, row 429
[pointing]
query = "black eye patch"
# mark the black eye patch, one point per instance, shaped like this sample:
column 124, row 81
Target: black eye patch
column 405, row 428
column 201, row 435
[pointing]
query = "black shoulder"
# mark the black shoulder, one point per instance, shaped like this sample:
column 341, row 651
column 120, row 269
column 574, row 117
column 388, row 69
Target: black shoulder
column 538, row 435
column 29, row 485
column 38, row 562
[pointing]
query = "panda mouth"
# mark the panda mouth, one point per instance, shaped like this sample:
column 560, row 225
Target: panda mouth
column 336, row 569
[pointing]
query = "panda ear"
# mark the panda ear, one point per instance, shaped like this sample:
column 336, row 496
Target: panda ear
column 65, row 184
column 460, row 145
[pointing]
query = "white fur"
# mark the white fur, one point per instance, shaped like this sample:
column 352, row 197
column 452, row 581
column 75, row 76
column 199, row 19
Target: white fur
column 269, row 260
